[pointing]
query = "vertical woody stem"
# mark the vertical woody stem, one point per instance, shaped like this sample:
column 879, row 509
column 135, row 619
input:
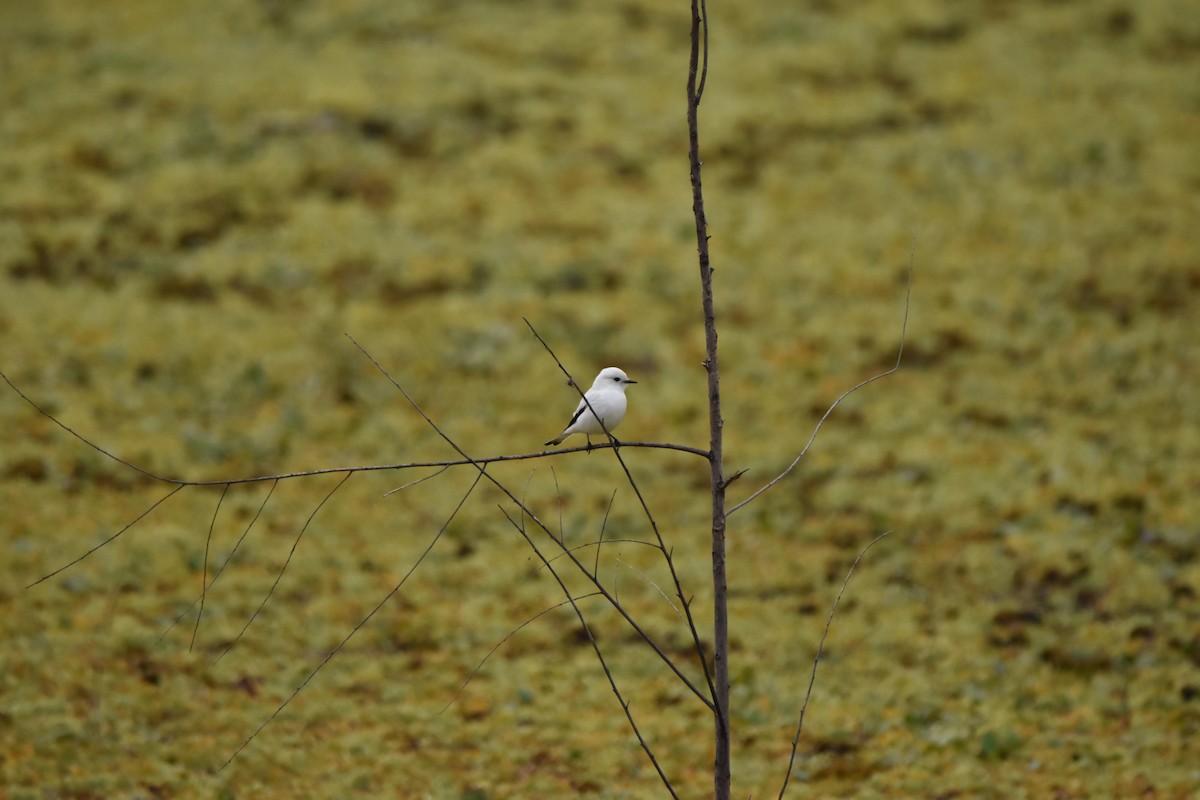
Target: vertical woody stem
column 695, row 88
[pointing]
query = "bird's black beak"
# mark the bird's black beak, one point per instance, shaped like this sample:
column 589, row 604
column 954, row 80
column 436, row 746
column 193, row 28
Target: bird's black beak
column 629, row 381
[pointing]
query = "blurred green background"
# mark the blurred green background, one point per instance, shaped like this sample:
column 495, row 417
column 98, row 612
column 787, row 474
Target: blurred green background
column 197, row 200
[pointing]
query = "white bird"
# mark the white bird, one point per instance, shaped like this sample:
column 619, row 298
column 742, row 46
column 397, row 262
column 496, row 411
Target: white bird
column 606, row 398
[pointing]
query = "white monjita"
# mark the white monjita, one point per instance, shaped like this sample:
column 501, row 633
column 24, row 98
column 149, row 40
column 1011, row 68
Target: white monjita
column 606, row 398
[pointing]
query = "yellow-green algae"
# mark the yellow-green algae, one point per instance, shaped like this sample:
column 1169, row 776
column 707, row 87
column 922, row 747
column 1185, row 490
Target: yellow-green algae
column 198, row 199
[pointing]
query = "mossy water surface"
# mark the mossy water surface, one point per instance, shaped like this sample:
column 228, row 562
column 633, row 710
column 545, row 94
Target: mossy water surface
column 199, row 200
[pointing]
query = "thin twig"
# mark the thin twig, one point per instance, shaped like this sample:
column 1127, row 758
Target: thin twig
column 357, row 627
column 90, row 444
column 841, row 397
column 704, row 68
column 603, row 525
column 812, row 678
column 204, row 570
column 597, row 543
column 650, row 581
column 401, row 488
column 562, row 534
column 136, row 520
column 282, row 569
column 612, row 683
column 220, row 570
column 504, row 641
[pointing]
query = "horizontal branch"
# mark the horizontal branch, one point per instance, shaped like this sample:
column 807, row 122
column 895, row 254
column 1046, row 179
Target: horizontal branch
column 456, row 462
column 331, row 470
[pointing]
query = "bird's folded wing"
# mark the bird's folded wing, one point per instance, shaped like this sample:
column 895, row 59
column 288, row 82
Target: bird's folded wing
column 578, row 412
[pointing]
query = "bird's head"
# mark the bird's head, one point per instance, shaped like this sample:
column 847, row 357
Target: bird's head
column 612, row 377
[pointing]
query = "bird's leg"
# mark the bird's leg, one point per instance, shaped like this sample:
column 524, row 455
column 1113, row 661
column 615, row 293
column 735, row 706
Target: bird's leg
column 589, row 441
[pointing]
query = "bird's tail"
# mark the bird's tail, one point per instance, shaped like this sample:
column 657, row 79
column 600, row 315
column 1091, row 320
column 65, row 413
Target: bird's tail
column 556, row 440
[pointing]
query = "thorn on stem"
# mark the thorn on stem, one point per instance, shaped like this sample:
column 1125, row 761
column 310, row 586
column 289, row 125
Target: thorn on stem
column 725, row 483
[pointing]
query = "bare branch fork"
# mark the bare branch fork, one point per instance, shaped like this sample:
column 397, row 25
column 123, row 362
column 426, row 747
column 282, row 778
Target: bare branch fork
column 578, row 564
column 566, row 551
column 221, row 569
column 661, row 546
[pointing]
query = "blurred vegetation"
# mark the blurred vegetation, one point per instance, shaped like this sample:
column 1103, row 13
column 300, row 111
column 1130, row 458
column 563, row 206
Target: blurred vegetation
column 197, row 200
